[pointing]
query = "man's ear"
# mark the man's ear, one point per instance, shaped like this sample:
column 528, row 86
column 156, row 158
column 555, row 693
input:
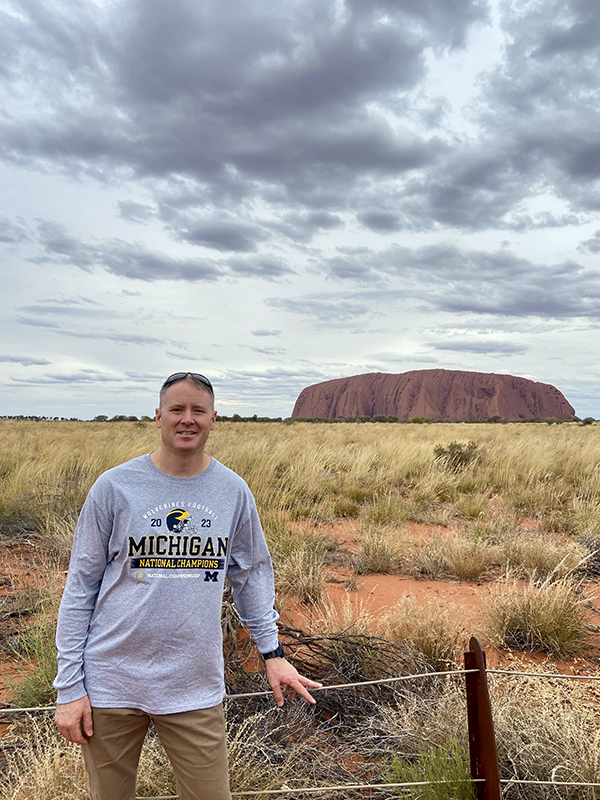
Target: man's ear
column 157, row 414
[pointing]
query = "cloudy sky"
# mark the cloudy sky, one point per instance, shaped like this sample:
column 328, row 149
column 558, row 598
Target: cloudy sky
column 275, row 194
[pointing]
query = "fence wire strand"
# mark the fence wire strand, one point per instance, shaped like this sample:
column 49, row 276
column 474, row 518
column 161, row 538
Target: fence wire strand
column 269, row 692
column 340, row 788
column 542, row 675
column 372, row 786
column 266, row 693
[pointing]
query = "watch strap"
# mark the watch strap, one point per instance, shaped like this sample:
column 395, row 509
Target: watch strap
column 277, row 653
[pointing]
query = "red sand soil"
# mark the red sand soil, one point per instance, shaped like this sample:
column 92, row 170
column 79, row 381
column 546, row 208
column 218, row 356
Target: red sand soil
column 20, row 568
column 465, row 602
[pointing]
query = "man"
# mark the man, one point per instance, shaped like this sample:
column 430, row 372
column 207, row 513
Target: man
column 139, row 632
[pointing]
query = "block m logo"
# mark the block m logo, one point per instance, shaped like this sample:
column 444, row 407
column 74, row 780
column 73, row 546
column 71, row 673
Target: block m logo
column 211, row 576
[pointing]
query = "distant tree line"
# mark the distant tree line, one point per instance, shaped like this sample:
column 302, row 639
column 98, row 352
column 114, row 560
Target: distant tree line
column 419, row 420
column 389, row 418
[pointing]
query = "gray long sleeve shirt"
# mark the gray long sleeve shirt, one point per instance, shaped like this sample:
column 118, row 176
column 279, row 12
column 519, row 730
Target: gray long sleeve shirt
column 139, row 621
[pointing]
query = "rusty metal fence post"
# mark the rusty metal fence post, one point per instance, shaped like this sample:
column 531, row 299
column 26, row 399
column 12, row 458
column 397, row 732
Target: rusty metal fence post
column 482, row 740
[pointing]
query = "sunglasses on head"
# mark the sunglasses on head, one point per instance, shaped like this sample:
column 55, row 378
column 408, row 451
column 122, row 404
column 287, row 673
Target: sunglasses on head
column 179, row 376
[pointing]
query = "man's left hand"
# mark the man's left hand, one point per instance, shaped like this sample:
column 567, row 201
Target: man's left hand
column 283, row 678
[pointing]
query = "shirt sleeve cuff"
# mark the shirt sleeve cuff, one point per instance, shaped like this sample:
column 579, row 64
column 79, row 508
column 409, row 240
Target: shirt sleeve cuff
column 71, row 693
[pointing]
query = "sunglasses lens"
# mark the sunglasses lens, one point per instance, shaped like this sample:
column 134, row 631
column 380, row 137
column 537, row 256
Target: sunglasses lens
column 178, row 376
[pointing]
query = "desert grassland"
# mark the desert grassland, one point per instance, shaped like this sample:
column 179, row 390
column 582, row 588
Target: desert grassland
column 518, row 504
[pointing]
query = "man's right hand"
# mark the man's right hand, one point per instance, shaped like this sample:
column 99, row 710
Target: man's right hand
column 74, row 720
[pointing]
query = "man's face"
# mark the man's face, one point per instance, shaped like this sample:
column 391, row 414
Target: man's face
column 186, row 417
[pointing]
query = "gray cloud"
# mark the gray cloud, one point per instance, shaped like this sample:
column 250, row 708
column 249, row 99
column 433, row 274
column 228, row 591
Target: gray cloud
column 481, row 347
column 34, row 322
column 448, row 278
column 62, row 309
column 224, row 235
column 303, row 227
column 120, row 337
column 136, row 261
column 25, row 361
column 12, row 233
column 131, row 211
column 326, row 308
column 120, row 258
column 184, row 356
column 78, row 377
column 266, row 332
column 591, row 245
column 269, row 351
column 283, row 106
column 381, row 221
column 259, row 266
column 271, row 103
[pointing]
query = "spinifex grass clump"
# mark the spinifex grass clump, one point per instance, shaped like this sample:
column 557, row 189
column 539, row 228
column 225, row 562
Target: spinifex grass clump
column 42, row 765
column 302, row 574
column 347, row 617
column 471, row 506
column 379, row 552
column 446, row 768
column 345, row 507
column 468, row 558
column 428, row 560
column 547, row 730
column 527, row 553
column 426, row 629
column 531, row 617
column 388, row 509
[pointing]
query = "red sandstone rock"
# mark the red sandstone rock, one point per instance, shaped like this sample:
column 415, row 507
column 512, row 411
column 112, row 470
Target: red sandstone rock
column 434, row 393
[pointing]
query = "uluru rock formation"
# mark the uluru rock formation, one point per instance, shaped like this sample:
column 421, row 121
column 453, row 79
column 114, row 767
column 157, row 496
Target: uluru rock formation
column 436, row 394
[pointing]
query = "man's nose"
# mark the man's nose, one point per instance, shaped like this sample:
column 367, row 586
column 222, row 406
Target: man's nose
column 187, row 416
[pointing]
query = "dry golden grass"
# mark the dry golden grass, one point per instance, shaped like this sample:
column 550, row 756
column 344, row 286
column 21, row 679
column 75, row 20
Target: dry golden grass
column 381, row 551
column 426, row 629
column 427, row 560
column 386, row 476
column 46, row 469
column 538, row 617
column 468, row 558
column 42, row 766
column 545, row 730
column 266, row 749
column 351, row 616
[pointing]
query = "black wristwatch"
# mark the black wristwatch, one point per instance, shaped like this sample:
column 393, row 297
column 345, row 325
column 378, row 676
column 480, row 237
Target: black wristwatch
column 278, row 653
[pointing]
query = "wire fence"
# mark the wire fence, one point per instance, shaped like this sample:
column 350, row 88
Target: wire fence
column 315, row 790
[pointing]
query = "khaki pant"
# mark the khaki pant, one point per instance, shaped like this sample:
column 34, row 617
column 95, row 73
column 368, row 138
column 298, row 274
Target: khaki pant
column 195, row 742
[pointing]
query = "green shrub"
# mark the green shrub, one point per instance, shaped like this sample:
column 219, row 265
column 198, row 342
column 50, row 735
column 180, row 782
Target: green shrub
column 456, row 455
column 447, row 764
